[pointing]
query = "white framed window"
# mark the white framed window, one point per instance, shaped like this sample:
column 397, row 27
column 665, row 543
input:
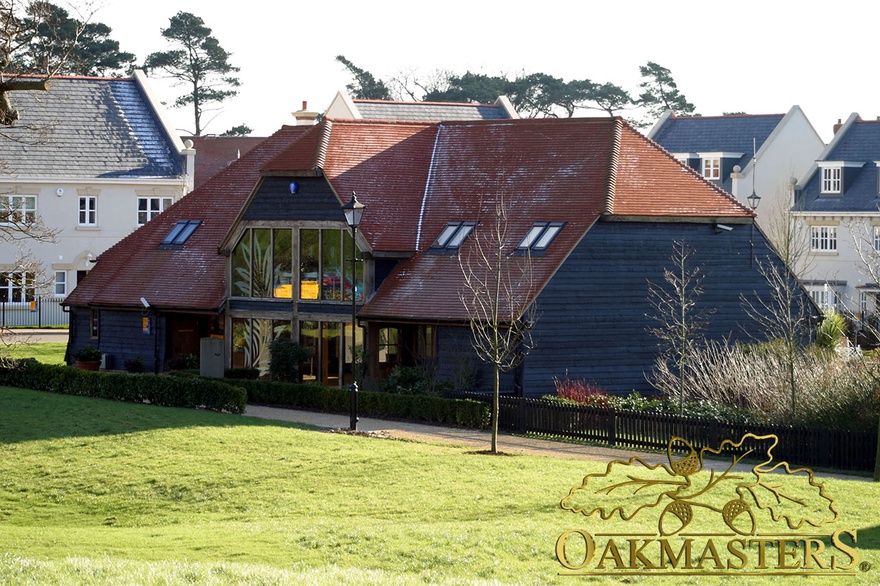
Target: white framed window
column 832, row 179
column 877, row 238
column 712, row 167
column 826, row 298
column 150, row 207
column 17, row 287
column 18, row 209
column 88, row 210
column 60, row 283
column 823, row 238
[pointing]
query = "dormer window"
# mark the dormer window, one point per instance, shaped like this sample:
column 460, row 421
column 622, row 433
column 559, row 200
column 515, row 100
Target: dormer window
column 712, row 168
column 715, row 166
column 452, row 236
column 836, row 175
column 540, row 236
column 831, row 179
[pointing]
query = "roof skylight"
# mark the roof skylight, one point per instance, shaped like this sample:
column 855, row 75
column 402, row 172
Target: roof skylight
column 453, row 235
column 540, row 236
column 180, row 232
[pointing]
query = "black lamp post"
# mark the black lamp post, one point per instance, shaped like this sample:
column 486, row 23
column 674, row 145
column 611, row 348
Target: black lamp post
column 754, row 200
column 354, row 211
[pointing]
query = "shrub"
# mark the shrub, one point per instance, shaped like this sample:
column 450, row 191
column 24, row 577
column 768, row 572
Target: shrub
column 829, row 391
column 135, row 365
column 285, row 359
column 464, row 412
column 242, row 373
column 413, row 380
column 156, row 390
column 832, row 330
column 581, row 392
column 184, row 362
column 88, row 353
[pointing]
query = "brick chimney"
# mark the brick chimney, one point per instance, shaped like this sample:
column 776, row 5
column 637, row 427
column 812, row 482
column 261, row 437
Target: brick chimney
column 836, row 126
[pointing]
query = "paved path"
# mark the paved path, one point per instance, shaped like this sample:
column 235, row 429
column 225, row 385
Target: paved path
column 452, row 435
column 36, row 336
column 479, row 439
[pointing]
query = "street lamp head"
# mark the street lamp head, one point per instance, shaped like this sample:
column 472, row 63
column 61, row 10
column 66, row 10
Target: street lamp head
column 754, row 200
column 354, row 211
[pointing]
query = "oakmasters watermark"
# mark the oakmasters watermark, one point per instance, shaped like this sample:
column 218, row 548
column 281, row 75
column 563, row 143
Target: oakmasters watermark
column 764, row 521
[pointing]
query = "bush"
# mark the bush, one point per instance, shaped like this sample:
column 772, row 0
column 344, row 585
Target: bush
column 184, row 362
column 242, row 373
column 413, row 380
column 88, row 353
column 829, row 391
column 464, row 412
column 285, row 359
column 156, row 390
column 135, row 365
column 581, row 392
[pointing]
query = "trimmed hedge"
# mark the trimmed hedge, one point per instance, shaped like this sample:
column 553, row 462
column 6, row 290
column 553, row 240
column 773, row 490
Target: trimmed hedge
column 156, row 390
column 464, row 412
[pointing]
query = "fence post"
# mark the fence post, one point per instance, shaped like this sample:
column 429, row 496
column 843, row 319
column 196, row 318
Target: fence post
column 612, row 427
column 521, row 415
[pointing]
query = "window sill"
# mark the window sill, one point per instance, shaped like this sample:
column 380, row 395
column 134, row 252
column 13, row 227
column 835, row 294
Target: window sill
column 87, row 228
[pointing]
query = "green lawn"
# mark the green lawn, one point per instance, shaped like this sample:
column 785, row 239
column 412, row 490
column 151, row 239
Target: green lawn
column 96, row 492
column 45, row 352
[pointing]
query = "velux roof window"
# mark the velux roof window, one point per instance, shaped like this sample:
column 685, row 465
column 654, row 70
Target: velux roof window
column 180, row 232
column 452, row 236
column 540, row 236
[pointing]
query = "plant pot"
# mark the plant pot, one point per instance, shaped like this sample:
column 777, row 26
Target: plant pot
column 88, row 364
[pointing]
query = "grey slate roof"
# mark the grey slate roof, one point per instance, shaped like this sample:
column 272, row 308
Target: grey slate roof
column 89, row 128
column 733, row 133
column 428, row 111
column 859, row 144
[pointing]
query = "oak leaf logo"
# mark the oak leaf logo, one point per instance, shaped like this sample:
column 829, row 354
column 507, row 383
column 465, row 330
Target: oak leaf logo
column 629, row 487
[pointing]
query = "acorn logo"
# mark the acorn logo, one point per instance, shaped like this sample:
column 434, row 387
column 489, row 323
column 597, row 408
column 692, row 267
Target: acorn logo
column 715, row 486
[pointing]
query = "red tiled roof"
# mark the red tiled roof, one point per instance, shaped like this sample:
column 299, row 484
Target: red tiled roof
column 651, row 182
column 545, row 170
column 193, row 276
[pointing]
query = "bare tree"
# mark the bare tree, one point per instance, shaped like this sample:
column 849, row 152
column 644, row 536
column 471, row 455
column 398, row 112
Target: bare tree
column 497, row 295
column 680, row 320
column 20, row 24
column 786, row 316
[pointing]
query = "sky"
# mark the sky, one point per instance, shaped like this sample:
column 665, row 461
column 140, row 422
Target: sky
column 749, row 56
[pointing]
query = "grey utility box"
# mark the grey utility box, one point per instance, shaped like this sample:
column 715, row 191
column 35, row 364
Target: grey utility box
column 211, row 359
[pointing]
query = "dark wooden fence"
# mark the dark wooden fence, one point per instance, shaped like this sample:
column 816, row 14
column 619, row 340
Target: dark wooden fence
column 827, row 448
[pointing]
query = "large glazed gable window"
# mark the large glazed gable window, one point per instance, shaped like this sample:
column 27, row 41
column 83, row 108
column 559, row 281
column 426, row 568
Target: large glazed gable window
column 262, row 264
column 325, row 266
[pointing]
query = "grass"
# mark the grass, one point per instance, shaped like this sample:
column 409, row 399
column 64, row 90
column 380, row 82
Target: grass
column 45, row 352
column 96, row 492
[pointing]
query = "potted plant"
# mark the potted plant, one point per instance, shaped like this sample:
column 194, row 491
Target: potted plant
column 88, row 358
